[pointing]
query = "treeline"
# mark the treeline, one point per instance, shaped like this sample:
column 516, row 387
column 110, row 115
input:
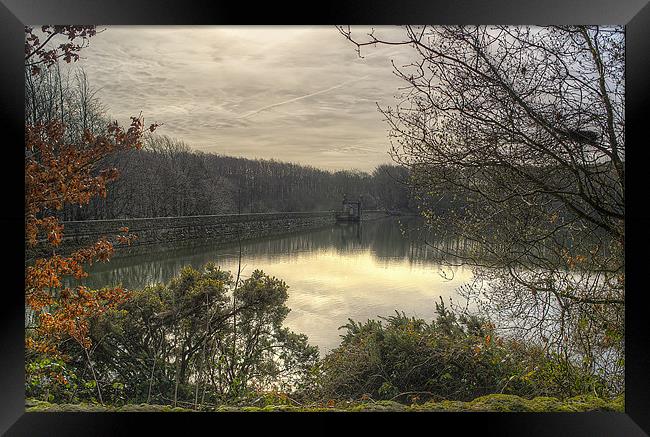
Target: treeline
column 167, row 178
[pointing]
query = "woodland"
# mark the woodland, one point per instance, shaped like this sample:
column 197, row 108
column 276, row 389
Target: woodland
column 511, row 138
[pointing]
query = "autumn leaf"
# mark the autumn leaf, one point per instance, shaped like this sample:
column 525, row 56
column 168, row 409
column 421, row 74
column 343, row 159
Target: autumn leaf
column 58, row 173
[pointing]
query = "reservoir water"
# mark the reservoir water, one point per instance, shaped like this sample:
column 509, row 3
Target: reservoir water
column 358, row 271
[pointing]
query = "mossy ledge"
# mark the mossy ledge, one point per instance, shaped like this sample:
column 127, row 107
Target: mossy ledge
column 493, row 402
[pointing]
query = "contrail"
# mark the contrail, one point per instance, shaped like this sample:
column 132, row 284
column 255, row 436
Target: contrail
column 257, row 111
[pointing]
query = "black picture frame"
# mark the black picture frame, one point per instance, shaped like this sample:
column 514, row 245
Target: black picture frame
column 634, row 14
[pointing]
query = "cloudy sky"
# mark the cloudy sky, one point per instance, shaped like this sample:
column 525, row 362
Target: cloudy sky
column 298, row 94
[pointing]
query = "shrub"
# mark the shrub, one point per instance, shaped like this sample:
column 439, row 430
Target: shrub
column 457, row 358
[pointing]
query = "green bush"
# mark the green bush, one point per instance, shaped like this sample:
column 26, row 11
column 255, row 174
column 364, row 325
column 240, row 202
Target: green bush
column 203, row 337
column 457, row 358
column 204, row 340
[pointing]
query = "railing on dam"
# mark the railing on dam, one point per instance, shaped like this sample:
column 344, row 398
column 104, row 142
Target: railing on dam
column 208, row 228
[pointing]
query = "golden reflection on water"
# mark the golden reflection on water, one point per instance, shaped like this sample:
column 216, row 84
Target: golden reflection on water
column 327, row 287
column 333, row 273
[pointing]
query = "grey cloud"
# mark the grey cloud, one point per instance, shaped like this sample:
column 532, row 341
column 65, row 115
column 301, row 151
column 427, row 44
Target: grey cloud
column 309, row 97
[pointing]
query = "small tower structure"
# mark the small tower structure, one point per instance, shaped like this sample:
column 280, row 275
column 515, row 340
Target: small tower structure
column 350, row 211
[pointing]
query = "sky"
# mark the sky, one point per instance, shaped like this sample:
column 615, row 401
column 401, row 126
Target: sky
column 297, row 94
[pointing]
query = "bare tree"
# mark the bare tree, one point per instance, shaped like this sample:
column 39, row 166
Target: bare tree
column 515, row 140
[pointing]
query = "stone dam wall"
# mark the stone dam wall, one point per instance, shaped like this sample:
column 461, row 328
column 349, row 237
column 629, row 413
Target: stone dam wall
column 158, row 232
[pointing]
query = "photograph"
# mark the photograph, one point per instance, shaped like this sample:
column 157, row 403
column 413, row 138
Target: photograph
column 324, row 218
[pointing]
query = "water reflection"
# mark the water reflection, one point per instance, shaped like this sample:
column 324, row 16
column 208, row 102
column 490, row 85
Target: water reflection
column 350, row 270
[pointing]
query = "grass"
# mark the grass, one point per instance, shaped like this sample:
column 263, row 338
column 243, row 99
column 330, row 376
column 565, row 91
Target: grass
column 493, row 403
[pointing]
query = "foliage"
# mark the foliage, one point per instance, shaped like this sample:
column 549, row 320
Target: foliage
column 50, row 379
column 62, row 169
column 458, row 358
column 188, row 343
column 525, row 163
column 203, row 338
column 167, row 178
column 57, row 173
column 515, row 141
column 38, row 53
